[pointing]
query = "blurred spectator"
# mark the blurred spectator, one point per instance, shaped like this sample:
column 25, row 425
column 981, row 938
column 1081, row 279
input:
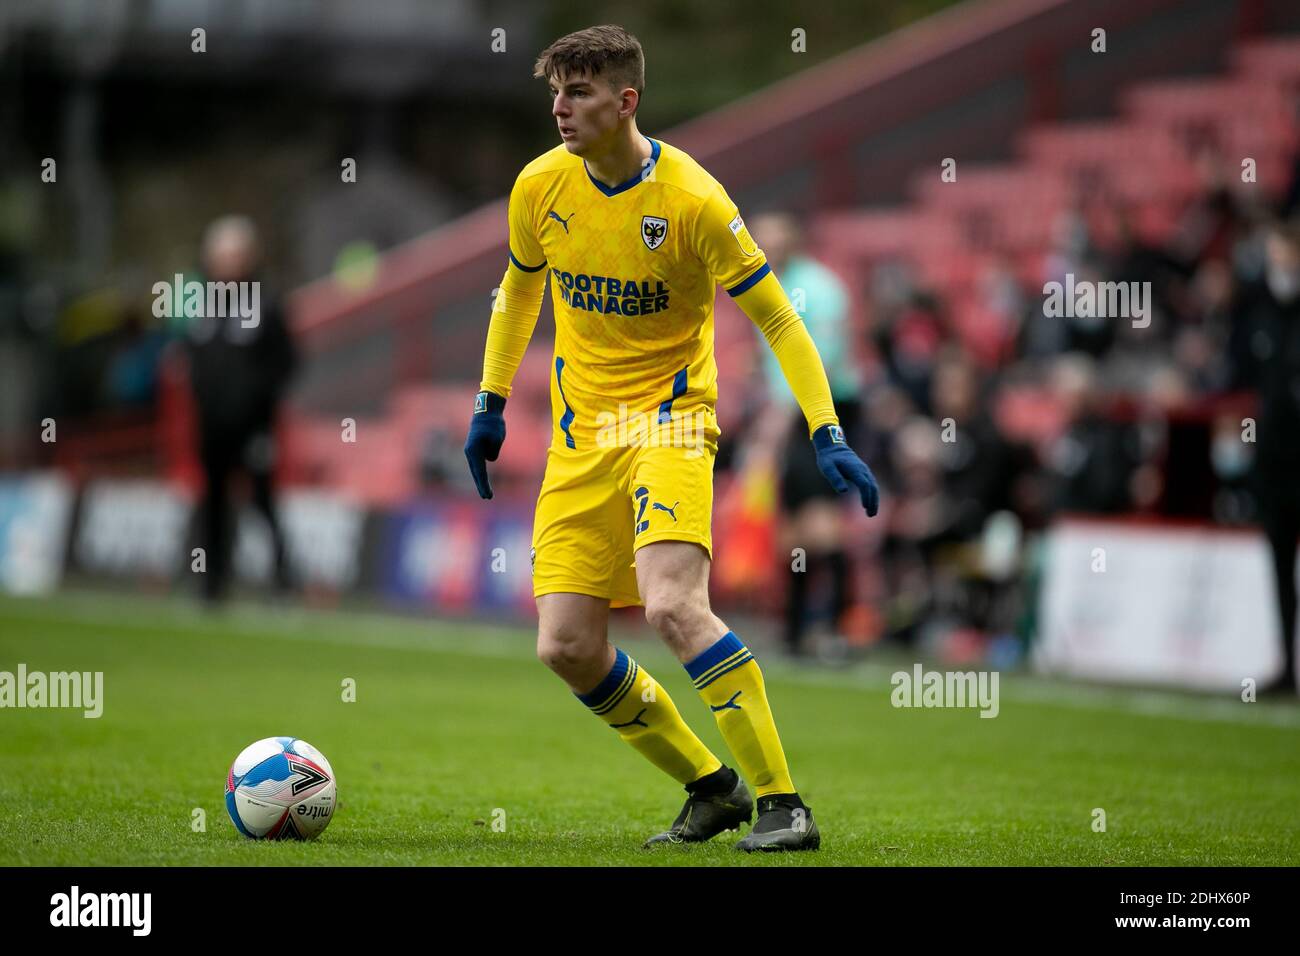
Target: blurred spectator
column 1211, row 225
column 812, row 509
column 1095, row 458
column 998, row 311
column 913, row 523
column 908, row 341
column 977, row 462
column 1268, row 322
column 1138, row 260
column 949, row 482
column 133, row 369
column 238, row 376
column 1290, row 205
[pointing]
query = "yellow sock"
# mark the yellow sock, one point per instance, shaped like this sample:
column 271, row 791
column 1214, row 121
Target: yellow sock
column 634, row 704
column 729, row 681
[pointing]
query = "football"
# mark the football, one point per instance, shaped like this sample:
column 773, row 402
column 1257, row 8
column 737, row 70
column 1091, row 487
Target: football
column 280, row 788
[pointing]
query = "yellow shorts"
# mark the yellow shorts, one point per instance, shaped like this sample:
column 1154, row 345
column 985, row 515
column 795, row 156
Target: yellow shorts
column 599, row 505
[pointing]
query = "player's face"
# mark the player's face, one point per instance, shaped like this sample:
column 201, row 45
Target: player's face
column 229, row 256
column 586, row 110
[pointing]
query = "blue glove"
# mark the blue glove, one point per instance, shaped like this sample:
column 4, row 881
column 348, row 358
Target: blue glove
column 487, row 430
column 838, row 462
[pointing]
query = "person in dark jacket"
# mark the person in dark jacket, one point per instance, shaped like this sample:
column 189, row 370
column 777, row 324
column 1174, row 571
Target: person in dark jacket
column 240, row 366
column 1266, row 333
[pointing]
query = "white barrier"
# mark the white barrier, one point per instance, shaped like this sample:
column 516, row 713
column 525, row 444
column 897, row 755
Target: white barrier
column 34, row 513
column 1158, row 604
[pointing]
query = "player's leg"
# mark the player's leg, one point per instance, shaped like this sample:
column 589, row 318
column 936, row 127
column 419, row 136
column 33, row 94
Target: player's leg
column 674, row 581
column 572, row 641
column 582, row 542
column 218, row 454
column 572, row 638
column 673, row 539
column 673, row 576
column 259, row 460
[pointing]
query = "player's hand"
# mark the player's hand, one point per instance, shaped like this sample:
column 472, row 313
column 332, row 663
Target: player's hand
column 487, row 430
column 842, row 466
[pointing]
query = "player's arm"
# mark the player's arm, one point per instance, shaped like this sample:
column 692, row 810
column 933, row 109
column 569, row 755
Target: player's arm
column 514, row 316
column 739, row 266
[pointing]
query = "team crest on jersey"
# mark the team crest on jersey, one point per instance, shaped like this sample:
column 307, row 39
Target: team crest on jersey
column 653, row 230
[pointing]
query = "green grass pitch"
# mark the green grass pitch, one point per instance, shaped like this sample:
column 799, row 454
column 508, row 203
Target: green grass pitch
column 454, row 723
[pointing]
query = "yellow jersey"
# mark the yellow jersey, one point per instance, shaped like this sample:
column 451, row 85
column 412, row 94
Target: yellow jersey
column 633, row 271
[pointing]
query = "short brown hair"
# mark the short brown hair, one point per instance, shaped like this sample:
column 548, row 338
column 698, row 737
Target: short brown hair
column 608, row 51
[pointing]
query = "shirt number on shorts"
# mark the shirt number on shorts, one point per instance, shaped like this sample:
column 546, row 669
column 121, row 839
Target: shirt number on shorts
column 643, row 496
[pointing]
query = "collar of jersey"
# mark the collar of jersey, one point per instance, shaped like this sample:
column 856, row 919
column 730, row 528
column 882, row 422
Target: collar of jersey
column 624, row 186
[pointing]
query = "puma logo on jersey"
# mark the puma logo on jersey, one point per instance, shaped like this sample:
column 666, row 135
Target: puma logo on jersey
column 672, row 511
column 563, row 222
